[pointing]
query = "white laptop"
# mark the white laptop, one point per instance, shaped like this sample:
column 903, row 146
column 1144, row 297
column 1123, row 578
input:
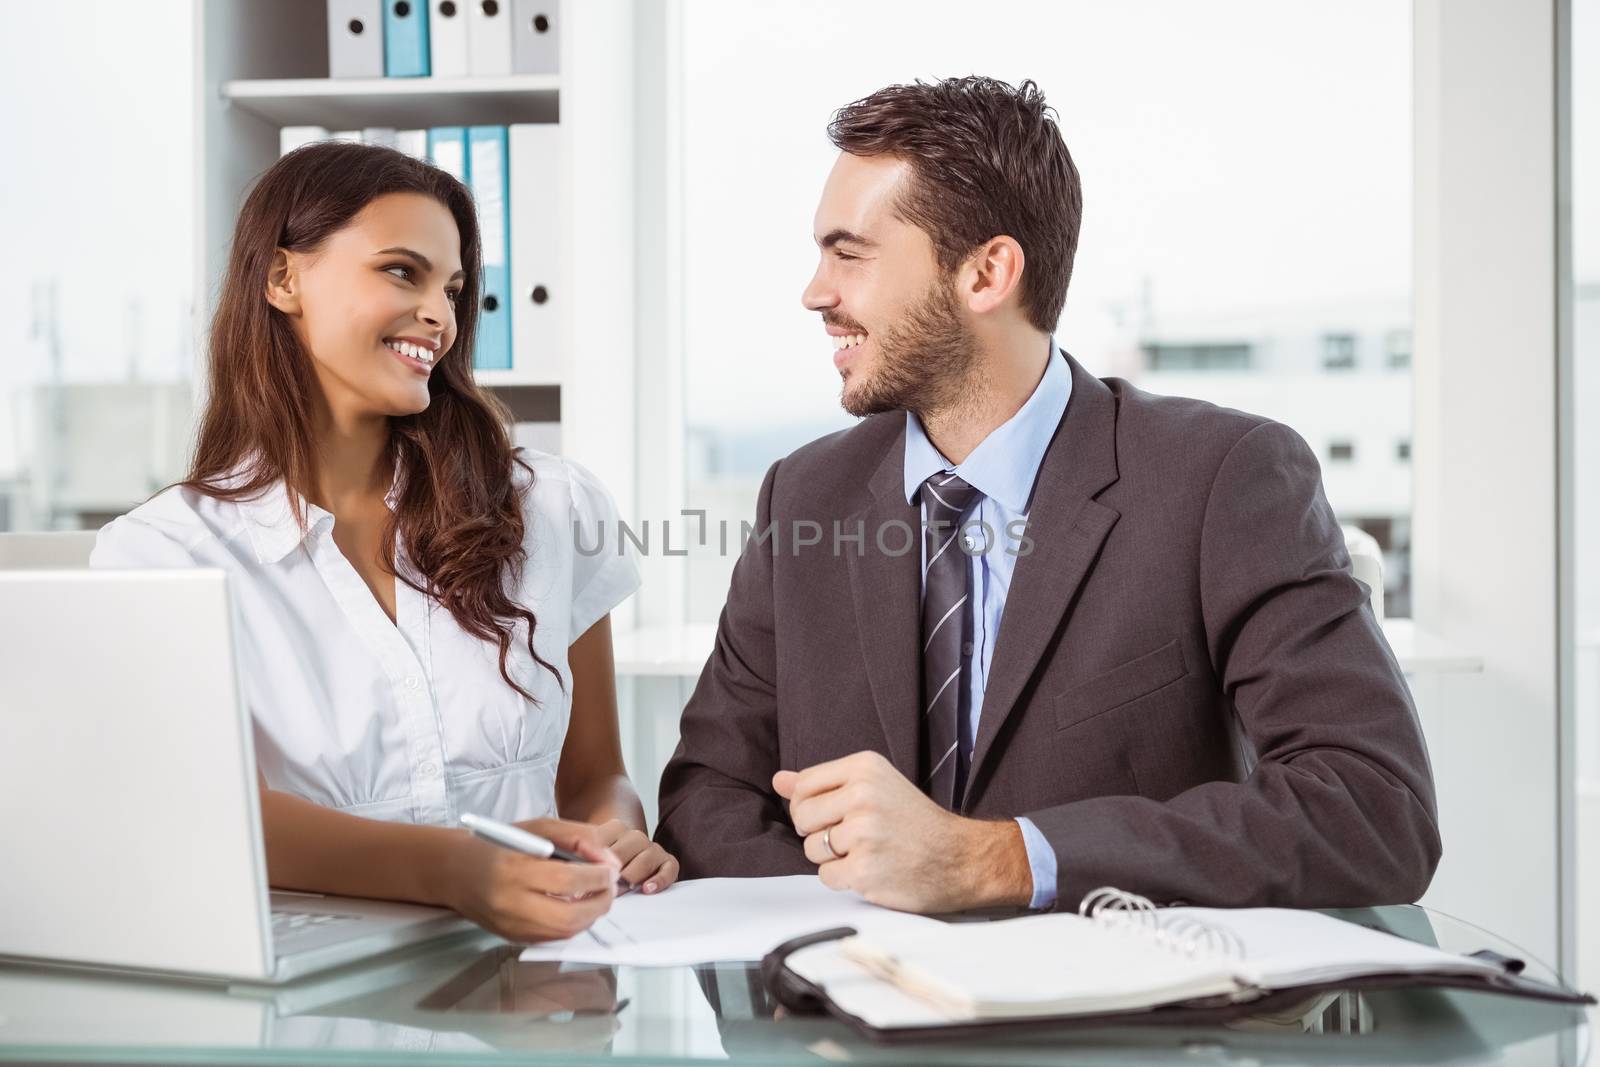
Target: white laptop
column 131, row 833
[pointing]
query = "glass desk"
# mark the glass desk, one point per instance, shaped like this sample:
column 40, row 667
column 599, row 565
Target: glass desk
column 470, row 1000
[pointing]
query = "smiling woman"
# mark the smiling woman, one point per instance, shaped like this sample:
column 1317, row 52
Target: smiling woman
column 421, row 638
column 325, row 237
column 386, row 286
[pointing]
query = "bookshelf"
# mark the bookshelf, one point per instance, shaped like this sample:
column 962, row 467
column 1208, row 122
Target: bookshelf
column 262, row 66
column 350, row 103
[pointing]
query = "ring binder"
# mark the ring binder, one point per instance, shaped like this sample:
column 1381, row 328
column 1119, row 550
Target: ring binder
column 1118, row 909
column 1045, row 972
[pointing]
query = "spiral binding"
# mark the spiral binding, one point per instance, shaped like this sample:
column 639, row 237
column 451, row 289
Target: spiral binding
column 1118, row 909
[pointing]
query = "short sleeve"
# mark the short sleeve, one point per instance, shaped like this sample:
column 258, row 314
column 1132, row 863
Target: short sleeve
column 128, row 542
column 604, row 573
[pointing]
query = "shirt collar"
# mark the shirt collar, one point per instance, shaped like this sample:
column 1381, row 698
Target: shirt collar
column 1005, row 464
column 270, row 522
column 269, row 519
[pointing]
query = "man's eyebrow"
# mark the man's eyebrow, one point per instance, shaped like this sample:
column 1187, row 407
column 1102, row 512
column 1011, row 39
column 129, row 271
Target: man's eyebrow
column 837, row 236
column 423, row 260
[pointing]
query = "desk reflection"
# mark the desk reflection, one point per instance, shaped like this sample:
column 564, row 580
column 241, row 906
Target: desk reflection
column 476, row 997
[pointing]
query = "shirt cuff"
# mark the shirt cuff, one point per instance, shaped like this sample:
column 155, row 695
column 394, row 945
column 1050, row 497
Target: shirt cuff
column 1042, row 861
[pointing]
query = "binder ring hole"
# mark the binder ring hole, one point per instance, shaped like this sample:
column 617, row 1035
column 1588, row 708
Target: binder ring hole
column 540, row 24
column 491, row 302
column 491, row 8
column 540, row 294
column 357, row 27
column 448, row 9
column 402, row 9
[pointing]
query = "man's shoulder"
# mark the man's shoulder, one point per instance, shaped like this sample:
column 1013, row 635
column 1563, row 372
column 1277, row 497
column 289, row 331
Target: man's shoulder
column 1182, row 415
column 1181, row 432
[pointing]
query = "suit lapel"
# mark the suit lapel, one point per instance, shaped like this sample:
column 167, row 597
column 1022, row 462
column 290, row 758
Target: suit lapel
column 1067, row 527
column 888, row 602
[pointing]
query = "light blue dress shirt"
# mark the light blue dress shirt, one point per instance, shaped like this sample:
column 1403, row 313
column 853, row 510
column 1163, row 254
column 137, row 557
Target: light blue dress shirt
column 1003, row 469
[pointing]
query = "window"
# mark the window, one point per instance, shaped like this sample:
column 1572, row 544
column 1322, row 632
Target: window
column 1341, row 451
column 1159, row 357
column 1397, row 349
column 1402, row 451
column 94, row 297
column 1338, row 351
column 1200, row 271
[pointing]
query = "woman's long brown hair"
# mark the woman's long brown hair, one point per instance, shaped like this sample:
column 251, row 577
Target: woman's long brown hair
column 458, row 507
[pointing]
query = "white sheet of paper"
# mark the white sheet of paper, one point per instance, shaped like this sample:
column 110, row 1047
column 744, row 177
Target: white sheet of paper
column 710, row 920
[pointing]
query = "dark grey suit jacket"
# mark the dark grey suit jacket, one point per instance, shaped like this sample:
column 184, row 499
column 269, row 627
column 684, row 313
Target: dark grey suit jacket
column 1189, row 694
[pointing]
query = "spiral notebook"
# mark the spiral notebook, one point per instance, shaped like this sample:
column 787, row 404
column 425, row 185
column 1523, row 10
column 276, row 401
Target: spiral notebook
column 1120, row 954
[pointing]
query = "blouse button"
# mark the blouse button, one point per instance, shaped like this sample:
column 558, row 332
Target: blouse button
column 411, row 682
column 429, row 769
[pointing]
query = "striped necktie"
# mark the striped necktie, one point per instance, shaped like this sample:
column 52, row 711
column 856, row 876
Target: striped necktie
column 946, row 633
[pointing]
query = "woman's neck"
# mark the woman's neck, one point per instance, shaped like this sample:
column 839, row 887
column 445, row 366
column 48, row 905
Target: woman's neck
column 354, row 464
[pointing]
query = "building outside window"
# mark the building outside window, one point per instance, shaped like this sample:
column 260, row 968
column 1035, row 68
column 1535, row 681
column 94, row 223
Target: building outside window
column 1397, row 349
column 1339, row 351
column 1181, row 357
column 95, row 299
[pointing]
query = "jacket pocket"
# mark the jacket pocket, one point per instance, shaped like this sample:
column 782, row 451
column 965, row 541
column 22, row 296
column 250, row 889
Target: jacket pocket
column 1120, row 685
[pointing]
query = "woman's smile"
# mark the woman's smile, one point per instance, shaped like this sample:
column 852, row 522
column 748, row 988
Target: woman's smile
column 416, row 355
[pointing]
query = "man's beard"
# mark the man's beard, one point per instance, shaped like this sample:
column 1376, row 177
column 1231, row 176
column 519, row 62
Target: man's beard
column 924, row 361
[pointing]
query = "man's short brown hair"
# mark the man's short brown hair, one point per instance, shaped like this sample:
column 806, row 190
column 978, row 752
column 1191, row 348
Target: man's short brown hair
column 987, row 160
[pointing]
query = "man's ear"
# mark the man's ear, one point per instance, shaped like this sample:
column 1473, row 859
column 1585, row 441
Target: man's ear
column 993, row 274
column 283, row 282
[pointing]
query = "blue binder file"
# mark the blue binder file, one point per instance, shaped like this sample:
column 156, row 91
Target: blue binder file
column 405, row 38
column 488, row 177
column 447, row 150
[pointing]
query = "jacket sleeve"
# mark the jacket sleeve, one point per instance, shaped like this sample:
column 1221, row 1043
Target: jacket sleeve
column 1338, row 809
column 719, row 813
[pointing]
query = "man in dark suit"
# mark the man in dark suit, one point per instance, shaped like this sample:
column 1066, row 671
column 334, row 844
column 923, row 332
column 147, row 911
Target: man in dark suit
column 1145, row 663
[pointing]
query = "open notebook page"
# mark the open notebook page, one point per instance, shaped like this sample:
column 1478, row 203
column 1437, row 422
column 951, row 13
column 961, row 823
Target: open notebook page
column 1055, row 964
column 1285, row 948
column 1063, row 964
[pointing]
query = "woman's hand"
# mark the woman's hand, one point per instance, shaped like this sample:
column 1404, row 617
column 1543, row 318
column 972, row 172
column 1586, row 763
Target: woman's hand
column 525, row 899
column 644, row 863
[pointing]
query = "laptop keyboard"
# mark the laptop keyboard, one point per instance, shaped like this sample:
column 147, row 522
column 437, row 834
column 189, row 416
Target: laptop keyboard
column 290, row 923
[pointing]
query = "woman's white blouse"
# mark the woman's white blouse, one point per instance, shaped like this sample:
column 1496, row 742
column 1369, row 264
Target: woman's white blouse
column 408, row 720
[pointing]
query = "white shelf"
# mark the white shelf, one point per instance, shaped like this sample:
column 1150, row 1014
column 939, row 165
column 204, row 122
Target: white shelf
column 1421, row 652
column 681, row 651
column 351, row 103
column 494, row 378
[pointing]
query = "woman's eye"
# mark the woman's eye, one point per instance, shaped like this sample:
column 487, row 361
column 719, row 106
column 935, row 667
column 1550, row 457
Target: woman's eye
column 846, row 255
column 409, row 273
